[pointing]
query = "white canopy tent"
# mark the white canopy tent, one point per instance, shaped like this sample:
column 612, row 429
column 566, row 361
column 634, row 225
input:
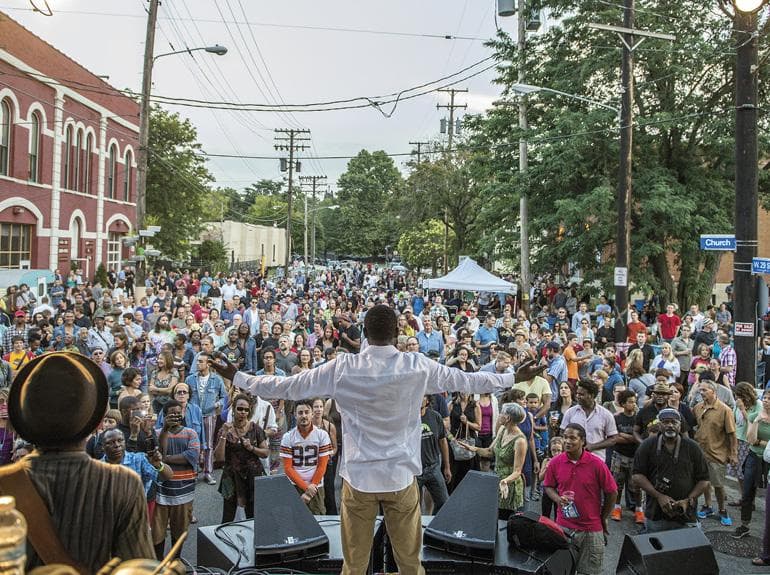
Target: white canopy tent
column 470, row 276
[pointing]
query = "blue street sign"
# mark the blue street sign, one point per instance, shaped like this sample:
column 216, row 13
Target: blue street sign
column 760, row 265
column 718, row 242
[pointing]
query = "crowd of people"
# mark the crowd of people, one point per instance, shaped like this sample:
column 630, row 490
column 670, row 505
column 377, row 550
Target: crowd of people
column 654, row 424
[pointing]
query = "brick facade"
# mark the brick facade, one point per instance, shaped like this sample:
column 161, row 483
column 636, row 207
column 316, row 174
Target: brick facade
column 67, row 192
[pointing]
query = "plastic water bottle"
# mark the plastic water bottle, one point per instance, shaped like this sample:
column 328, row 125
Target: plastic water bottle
column 13, row 538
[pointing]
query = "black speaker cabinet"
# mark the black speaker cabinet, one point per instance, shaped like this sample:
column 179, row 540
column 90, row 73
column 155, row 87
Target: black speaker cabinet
column 467, row 523
column 667, row 553
column 284, row 528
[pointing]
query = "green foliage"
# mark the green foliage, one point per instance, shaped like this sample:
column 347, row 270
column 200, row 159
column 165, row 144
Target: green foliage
column 683, row 146
column 177, row 183
column 445, row 187
column 101, row 275
column 213, row 255
column 423, row 245
column 366, row 221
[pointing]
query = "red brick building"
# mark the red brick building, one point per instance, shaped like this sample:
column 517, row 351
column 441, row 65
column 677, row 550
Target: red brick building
column 68, row 145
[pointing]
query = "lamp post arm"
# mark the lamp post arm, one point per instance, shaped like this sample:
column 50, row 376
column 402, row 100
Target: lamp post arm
column 581, row 98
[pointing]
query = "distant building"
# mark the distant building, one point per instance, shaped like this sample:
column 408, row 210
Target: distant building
column 68, row 144
column 249, row 243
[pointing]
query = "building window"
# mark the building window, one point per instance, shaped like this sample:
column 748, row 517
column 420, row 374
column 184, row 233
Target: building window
column 87, row 164
column 6, row 121
column 128, row 174
column 15, row 245
column 34, row 148
column 114, row 245
column 67, row 181
column 77, row 183
column 112, row 172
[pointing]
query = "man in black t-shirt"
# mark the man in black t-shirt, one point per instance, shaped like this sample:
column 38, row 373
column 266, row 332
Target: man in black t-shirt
column 350, row 335
column 435, row 456
column 623, row 455
column 672, row 470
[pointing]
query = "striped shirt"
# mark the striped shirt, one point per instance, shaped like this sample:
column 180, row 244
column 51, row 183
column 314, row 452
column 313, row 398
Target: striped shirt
column 98, row 510
column 305, row 452
column 180, row 488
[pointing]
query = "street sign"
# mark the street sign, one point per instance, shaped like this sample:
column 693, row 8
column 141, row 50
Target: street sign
column 718, row 242
column 621, row 277
column 760, row 265
column 744, row 329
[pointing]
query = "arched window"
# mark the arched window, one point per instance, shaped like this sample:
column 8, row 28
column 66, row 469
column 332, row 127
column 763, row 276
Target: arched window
column 34, row 148
column 6, row 121
column 112, row 172
column 128, row 175
column 87, row 165
column 77, row 182
column 67, row 173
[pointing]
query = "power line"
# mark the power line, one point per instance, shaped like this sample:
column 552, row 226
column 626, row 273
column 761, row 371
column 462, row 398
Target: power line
column 272, row 25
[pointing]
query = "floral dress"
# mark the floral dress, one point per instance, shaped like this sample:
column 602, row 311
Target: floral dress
column 504, row 460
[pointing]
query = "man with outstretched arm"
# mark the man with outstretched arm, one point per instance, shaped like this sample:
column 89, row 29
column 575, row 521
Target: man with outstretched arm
column 381, row 458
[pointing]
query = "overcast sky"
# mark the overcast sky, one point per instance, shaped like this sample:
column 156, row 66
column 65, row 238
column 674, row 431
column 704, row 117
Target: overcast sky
column 306, row 65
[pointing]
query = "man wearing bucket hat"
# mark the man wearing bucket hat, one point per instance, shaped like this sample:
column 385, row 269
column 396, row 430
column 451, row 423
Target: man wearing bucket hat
column 84, row 510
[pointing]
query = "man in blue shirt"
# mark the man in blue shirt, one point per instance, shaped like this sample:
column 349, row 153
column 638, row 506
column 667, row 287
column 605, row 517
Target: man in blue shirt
column 148, row 467
column 430, row 340
column 557, row 367
column 485, row 336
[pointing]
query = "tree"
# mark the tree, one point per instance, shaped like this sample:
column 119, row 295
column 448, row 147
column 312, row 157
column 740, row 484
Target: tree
column 683, row 146
column 445, row 185
column 366, row 222
column 101, row 275
column 423, row 245
column 213, row 255
column 177, row 183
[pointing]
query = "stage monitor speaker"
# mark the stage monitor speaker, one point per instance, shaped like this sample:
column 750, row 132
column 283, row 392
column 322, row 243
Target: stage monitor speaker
column 667, row 553
column 467, row 523
column 284, row 528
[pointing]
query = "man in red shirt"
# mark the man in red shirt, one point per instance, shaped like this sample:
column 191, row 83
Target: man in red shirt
column 634, row 326
column 669, row 323
column 577, row 480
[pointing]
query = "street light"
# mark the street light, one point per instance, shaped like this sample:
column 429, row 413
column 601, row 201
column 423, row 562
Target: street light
column 746, row 6
column 144, row 114
column 746, row 196
column 215, row 49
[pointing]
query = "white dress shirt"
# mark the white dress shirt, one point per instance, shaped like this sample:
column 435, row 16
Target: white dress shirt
column 378, row 393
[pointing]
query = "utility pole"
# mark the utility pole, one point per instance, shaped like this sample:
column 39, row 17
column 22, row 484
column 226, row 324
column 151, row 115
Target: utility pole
column 625, row 182
column 451, row 107
column 450, row 133
column 144, row 128
column 419, row 149
column 627, row 35
column 746, row 167
column 523, row 160
column 290, row 141
column 313, row 181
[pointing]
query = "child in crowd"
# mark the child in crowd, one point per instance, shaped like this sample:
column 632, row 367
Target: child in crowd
column 540, row 430
column 623, row 456
column 555, row 447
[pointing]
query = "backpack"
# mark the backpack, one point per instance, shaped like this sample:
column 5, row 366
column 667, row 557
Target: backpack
column 528, row 530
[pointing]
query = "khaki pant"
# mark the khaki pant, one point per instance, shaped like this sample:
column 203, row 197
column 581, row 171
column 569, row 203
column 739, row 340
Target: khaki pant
column 179, row 517
column 316, row 504
column 402, row 519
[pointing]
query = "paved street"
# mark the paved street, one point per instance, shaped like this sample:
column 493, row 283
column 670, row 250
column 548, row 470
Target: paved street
column 208, row 510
